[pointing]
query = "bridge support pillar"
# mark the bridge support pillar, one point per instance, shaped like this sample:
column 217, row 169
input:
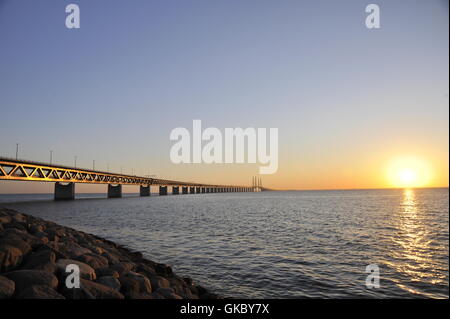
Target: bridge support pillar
column 203, row 190
column 198, row 190
column 114, row 191
column 144, row 190
column 191, row 190
column 184, row 190
column 64, row 192
column 175, row 190
column 162, row 190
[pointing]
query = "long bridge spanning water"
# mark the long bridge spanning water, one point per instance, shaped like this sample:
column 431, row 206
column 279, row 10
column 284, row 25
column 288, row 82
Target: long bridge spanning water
column 66, row 177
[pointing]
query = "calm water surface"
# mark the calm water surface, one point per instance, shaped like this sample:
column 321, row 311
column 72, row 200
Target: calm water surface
column 277, row 244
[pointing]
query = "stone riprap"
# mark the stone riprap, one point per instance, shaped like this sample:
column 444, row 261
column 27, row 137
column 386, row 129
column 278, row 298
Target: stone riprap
column 35, row 254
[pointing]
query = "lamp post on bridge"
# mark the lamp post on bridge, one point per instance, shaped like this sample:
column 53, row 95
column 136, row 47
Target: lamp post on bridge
column 75, row 160
column 17, row 151
column 51, row 156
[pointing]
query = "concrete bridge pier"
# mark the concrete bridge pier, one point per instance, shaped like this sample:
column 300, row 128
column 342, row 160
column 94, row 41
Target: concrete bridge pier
column 203, row 190
column 64, row 191
column 162, row 190
column 114, row 191
column 198, row 190
column 175, row 190
column 184, row 190
column 144, row 190
column 191, row 190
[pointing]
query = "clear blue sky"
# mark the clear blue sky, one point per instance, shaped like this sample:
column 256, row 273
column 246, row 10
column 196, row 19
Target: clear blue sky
column 113, row 90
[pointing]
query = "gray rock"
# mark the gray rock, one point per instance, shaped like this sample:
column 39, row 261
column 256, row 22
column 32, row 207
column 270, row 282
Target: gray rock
column 94, row 260
column 39, row 292
column 86, row 271
column 7, row 287
column 5, row 219
column 10, row 257
column 122, row 267
column 15, row 241
column 72, row 249
column 36, row 228
column 167, row 293
column 158, row 282
column 26, row 278
column 112, row 258
column 19, row 218
column 102, row 272
column 100, row 291
column 110, row 281
column 134, row 283
column 41, row 260
column 15, row 233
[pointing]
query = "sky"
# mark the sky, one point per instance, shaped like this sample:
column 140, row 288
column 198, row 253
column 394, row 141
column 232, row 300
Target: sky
column 349, row 102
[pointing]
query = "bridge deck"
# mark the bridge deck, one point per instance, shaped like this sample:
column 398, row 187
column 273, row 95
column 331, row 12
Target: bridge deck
column 21, row 170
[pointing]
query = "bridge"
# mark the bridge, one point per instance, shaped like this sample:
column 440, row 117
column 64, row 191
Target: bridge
column 66, row 177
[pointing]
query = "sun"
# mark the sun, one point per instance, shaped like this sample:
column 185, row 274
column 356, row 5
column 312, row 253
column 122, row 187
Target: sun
column 408, row 172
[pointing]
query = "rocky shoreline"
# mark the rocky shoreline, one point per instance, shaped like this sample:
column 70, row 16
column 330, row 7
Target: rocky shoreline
column 34, row 254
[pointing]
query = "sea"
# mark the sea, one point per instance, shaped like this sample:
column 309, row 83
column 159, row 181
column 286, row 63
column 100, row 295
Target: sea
column 391, row 243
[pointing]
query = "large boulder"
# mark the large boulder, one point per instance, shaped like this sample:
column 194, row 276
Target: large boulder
column 167, row 293
column 122, row 267
column 135, row 283
column 19, row 218
column 13, row 231
column 36, row 228
column 7, row 287
column 72, row 249
column 17, row 242
column 26, row 278
column 41, row 260
column 158, row 282
column 101, row 272
column 10, row 257
column 86, row 271
column 146, row 270
column 110, row 281
column 5, row 218
column 39, row 292
column 94, row 260
column 112, row 257
column 100, row 291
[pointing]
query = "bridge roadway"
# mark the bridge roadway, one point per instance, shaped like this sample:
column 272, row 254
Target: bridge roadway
column 66, row 177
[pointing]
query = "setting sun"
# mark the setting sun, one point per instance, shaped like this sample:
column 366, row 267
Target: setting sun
column 409, row 172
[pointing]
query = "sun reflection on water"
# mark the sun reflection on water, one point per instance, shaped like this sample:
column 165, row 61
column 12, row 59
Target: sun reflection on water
column 414, row 256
